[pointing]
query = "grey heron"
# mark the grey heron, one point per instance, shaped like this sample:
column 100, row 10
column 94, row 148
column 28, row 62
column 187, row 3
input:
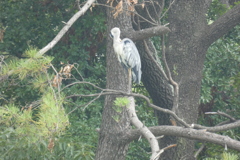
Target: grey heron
column 127, row 55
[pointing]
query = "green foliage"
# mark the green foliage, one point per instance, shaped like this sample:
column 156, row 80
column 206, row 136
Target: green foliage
column 35, row 23
column 225, row 156
column 28, row 126
column 121, row 101
column 52, row 117
column 221, row 65
column 215, row 10
column 30, row 66
column 220, row 85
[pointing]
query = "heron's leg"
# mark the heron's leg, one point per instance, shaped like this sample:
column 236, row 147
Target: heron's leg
column 129, row 80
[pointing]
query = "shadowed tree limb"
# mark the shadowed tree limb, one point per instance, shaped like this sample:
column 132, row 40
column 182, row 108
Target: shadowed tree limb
column 221, row 26
column 189, row 133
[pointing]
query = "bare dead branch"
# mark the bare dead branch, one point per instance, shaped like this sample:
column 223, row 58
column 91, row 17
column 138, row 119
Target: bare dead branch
column 199, row 150
column 85, row 105
column 218, row 128
column 162, row 150
column 146, row 33
column 150, row 15
column 190, row 134
column 172, row 82
column 66, row 27
column 167, row 9
column 161, row 8
column 82, row 82
column 143, row 129
column 117, row 92
column 78, row 72
column 155, row 10
column 154, row 61
column 222, row 114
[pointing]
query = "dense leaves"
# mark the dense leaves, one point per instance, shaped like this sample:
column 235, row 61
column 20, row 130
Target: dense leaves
column 35, row 23
column 220, row 85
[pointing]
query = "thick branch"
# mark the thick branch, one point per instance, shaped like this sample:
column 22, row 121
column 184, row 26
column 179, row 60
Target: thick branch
column 143, row 129
column 221, row 26
column 190, row 134
column 219, row 128
column 146, row 33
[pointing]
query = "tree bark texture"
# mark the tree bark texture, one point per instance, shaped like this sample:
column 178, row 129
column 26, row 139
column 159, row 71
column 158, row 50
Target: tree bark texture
column 187, row 44
column 110, row 145
column 185, row 57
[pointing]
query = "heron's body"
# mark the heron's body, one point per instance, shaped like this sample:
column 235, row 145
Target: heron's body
column 127, row 54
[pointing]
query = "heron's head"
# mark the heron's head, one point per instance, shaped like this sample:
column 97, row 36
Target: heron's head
column 115, row 32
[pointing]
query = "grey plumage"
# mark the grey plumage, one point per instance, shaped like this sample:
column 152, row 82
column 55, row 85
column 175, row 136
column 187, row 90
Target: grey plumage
column 127, row 54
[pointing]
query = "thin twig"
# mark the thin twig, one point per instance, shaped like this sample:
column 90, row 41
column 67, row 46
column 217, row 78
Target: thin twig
column 78, row 72
column 154, row 61
column 172, row 82
column 150, row 15
column 161, row 8
column 167, row 9
column 117, row 92
column 222, row 114
column 162, row 150
column 82, row 82
column 155, row 11
column 199, row 150
column 57, row 74
column 153, row 23
column 86, row 105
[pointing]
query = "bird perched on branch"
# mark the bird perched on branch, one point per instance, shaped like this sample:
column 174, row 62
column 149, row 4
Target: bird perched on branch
column 127, row 54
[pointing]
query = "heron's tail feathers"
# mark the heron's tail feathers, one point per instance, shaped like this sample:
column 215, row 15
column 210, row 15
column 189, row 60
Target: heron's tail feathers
column 136, row 75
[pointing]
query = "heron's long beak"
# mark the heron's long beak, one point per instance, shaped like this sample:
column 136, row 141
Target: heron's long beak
column 110, row 34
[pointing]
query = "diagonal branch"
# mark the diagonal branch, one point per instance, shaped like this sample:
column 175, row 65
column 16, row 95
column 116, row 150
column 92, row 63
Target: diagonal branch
column 221, row 26
column 66, row 27
column 143, row 129
column 169, row 75
column 218, row 128
column 146, row 33
column 190, row 134
column 222, row 114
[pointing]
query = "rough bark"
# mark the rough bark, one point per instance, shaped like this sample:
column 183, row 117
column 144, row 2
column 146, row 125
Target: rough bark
column 110, row 145
column 188, row 41
column 185, row 57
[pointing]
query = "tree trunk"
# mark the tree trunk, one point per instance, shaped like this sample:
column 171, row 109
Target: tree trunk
column 185, row 57
column 110, row 145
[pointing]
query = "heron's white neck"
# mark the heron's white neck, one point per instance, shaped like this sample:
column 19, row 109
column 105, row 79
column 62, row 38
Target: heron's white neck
column 116, row 39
